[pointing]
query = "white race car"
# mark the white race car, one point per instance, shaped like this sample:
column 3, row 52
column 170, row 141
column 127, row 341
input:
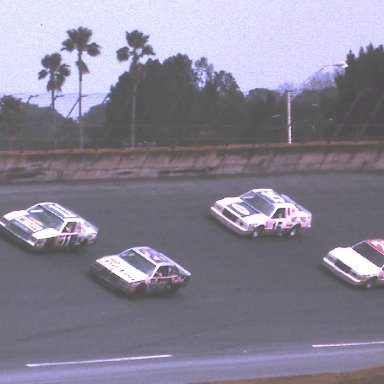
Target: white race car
column 361, row 264
column 262, row 211
column 46, row 226
column 140, row 270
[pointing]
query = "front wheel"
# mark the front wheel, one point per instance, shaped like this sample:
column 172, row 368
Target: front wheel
column 40, row 245
column 258, row 232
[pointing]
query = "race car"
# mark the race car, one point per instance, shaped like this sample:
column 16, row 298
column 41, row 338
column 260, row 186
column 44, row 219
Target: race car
column 361, row 264
column 48, row 226
column 260, row 212
column 140, row 270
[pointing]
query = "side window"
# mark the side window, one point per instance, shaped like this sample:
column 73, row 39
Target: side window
column 279, row 214
column 70, row 228
column 173, row 271
column 162, row 272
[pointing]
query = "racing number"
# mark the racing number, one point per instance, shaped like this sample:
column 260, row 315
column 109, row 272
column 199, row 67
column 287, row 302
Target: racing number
column 63, row 241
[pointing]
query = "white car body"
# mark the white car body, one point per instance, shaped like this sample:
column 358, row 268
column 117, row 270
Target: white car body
column 48, row 225
column 262, row 211
column 361, row 264
column 140, row 270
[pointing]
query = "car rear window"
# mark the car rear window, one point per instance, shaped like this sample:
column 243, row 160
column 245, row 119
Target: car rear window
column 370, row 253
column 46, row 218
column 257, row 202
column 137, row 261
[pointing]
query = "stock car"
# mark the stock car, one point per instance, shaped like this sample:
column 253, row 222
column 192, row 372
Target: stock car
column 361, row 264
column 140, row 270
column 48, row 226
column 260, row 212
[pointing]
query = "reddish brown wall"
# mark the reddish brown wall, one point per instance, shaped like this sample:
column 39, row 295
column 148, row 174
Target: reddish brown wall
column 184, row 161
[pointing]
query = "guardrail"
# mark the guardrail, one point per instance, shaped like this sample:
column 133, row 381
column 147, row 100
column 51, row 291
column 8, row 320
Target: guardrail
column 114, row 164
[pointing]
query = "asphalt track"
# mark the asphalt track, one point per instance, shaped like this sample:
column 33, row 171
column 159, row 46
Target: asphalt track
column 254, row 308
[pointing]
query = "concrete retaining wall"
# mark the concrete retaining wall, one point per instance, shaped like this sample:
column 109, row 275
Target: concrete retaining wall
column 183, row 161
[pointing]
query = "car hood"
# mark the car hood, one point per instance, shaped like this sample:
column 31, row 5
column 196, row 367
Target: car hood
column 122, row 269
column 355, row 261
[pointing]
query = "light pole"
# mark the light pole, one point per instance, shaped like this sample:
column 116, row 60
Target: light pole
column 290, row 96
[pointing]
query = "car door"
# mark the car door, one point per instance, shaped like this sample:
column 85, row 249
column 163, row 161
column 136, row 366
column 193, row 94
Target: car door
column 277, row 220
column 161, row 280
column 68, row 235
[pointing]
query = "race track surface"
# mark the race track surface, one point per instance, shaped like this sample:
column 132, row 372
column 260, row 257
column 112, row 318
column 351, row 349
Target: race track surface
column 253, row 308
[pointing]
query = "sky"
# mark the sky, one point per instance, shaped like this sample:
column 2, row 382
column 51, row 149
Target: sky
column 262, row 43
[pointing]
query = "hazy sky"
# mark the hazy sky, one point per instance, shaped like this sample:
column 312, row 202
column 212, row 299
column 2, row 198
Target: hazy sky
column 263, row 43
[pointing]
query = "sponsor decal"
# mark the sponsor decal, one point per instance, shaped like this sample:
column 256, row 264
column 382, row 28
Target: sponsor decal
column 59, row 210
column 32, row 225
column 241, row 209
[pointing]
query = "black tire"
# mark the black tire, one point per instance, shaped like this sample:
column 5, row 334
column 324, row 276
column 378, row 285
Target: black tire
column 370, row 283
column 140, row 289
column 171, row 290
column 294, row 231
column 258, row 232
column 43, row 245
column 281, row 232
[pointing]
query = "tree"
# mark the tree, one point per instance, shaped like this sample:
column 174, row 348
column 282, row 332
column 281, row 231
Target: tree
column 137, row 49
column 12, row 118
column 56, row 73
column 78, row 40
column 360, row 104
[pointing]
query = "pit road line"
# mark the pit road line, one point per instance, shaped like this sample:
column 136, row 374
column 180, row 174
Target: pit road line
column 341, row 345
column 99, row 361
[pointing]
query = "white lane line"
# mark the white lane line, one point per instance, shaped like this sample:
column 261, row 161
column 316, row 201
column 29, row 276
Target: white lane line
column 338, row 345
column 79, row 362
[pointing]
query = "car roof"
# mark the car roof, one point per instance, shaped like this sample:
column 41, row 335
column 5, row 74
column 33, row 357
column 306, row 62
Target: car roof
column 58, row 210
column 153, row 256
column 272, row 196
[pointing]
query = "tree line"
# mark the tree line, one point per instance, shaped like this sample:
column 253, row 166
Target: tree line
column 184, row 102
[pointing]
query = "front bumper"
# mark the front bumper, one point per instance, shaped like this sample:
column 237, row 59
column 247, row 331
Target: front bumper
column 18, row 238
column 111, row 280
column 230, row 224
column 342, row 274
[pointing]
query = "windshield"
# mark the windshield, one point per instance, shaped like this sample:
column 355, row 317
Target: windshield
column 258, row 202
column 137, row 261
column 45, row 218
column 370, row 253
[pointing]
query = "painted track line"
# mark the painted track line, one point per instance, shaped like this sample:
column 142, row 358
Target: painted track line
column 99, row 361
column 341, row 345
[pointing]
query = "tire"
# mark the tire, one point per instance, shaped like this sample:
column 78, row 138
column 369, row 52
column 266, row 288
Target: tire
column 370, row 283
column 281, row 232
column 41, row 246
column 78, row 247
column 258, row 232
column 294, row 231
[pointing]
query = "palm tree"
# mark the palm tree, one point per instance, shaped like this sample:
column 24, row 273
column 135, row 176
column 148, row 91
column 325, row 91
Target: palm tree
column 56, row 72
column 78, row 39
column 137, row 48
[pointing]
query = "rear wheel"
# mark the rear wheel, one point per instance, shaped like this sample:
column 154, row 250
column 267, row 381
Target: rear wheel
column 370, row 283
column 258, row 232
column 294, row 231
